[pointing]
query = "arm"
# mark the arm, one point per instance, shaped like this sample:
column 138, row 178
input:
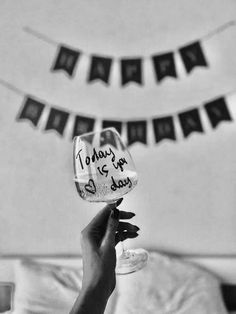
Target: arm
column 90, row 300
column 98, row 241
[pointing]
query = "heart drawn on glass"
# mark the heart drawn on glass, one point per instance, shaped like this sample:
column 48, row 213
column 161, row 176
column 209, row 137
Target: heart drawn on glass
column 90, row 187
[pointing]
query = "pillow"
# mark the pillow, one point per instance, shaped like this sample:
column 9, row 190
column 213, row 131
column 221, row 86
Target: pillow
column 45, row 288
column 42, row 288
column 169, row 285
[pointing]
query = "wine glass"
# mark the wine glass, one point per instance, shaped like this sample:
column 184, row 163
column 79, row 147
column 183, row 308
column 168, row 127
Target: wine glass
column 104, row 171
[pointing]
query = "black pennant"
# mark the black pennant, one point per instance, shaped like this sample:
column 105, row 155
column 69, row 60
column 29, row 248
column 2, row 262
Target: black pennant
column 108, row 137
column 192, row 56
column 137, row 131
column 83, row 125
column 66, row 60
column 88, row 137
column 32, row 110
column 100, row 69
column 190, row 122
column 57, row 120
column 112, row 124
column 164, row 65
column 164, row 129
column 217, row 111
column 131, row 71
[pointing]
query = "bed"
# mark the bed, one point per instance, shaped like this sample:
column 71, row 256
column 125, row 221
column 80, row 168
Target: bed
column 58, row 281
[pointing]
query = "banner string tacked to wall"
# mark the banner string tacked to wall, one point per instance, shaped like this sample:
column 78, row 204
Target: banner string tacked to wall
column 162, row 127
column 131, row 68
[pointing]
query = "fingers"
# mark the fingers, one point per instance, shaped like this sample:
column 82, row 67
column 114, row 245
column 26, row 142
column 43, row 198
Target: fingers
column 126, row 215
column 125, row 235
column 125, row 226
column 102, row 217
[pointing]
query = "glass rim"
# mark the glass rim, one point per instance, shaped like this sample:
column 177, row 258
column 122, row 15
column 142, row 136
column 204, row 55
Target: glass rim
column 96, row 132
column 113, row 129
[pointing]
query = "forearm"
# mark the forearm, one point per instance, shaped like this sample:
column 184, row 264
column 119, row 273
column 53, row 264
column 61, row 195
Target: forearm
column 91, row 300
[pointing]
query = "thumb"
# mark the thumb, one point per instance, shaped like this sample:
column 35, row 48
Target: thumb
column 112, row 225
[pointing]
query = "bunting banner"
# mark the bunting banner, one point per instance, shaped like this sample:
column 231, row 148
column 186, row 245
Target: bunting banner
column 137, row 131
column 131, row 69
column 164, row 128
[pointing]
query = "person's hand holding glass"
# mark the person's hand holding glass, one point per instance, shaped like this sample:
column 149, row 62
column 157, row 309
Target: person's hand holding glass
column 104, row 172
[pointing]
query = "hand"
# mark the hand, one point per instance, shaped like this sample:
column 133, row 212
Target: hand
column 98, row 241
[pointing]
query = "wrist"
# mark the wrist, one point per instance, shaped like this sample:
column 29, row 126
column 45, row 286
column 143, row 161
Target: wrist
column 96, row 289
column 90, row 300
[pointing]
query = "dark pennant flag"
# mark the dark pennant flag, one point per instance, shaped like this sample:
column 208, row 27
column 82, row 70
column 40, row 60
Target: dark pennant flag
column 100, row 69
column 164, row 129
column 164, row 65
column 108, row 137
column 66, row 60
column 131, row 71
column 57, row 120
column 31, row 110
column 83, row 125
column 190, row 122
column 217, row 111
column 137, row 131
column 192, row 56
column 112, row 124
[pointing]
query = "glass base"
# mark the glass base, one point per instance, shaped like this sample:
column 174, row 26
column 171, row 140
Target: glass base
column 130, row 261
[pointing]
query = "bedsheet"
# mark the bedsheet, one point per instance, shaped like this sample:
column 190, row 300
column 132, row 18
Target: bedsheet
column 165, row 285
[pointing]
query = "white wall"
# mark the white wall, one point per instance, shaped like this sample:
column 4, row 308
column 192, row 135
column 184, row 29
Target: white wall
column 185, row 199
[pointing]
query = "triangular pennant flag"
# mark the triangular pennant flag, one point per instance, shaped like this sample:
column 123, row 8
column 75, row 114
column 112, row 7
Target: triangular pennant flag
column 66, row 60
column 88, row 137
column 112, row 124
column 57, row 120
column 108, row 137
column 137, row 131
column 131, row 71
column 164, row 66
column 83, row 125
column 217, row 111
column 190, row 122
column 100, row 69
column 31, row 110
column 192, row 56
column 164, row 129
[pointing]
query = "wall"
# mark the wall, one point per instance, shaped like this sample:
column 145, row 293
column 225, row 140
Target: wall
column 185, row 198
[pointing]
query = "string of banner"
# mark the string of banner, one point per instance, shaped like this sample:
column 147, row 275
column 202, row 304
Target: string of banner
column 164, row 127
column 192, row 55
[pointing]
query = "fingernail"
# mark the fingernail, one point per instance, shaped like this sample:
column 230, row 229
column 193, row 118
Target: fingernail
column 119, row 201
column 115, row 214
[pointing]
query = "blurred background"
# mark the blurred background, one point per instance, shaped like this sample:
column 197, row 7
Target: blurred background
column 185, row 198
